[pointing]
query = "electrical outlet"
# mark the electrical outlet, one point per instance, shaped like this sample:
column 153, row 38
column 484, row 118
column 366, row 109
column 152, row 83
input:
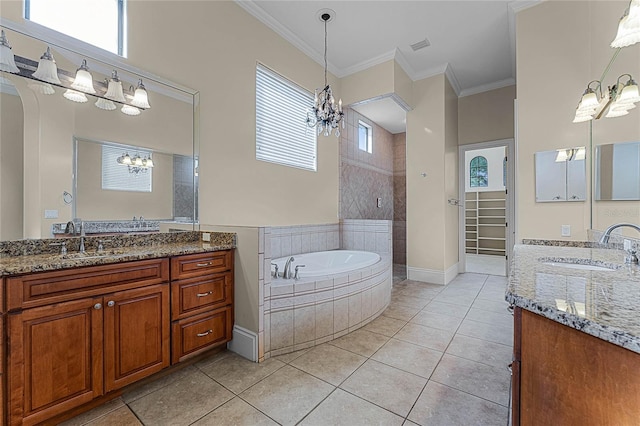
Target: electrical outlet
column 206, row 236
column 51, row 214
column 566, row 230
column 379, row 202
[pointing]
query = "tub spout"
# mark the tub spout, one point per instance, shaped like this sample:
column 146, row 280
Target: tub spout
column 286, row 274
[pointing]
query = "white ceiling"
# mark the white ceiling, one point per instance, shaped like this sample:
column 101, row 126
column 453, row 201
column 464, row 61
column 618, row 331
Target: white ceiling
column 473, row 41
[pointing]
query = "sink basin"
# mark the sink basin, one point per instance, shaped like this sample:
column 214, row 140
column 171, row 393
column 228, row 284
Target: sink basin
column 582, row 264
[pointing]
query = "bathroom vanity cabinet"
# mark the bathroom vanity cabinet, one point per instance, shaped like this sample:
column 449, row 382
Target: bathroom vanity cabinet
column 564, row 376
column 78, row 334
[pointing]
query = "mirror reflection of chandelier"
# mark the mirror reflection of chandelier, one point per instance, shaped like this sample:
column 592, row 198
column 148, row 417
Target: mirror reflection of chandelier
column 136, row 164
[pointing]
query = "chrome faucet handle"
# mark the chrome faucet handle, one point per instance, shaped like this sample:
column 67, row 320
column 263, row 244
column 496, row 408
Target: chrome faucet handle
column 631, row 258
column 275, row 274
column 63, row 247
column 297, row 274
column 101, row 245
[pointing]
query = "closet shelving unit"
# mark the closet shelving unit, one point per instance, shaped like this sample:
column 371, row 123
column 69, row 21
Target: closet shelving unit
column 485, row 218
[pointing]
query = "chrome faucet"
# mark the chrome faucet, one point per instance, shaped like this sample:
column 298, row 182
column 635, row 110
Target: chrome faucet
column 607, row 232
column 287, row 268
column 82, row 235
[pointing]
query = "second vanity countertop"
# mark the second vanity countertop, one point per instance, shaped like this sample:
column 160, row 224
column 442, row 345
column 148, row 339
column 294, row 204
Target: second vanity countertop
column 604, row 304
column 121, row 249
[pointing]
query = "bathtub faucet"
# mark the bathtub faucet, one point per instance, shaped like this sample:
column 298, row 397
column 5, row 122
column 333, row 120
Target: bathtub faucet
column 286, row 274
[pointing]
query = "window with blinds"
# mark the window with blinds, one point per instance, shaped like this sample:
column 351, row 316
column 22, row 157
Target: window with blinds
column 117, row 177
column 282, row 135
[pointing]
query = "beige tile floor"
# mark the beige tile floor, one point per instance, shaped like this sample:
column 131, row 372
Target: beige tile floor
column 437, row 356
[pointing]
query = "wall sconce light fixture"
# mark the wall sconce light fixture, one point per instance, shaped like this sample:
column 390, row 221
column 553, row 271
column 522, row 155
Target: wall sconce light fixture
column 136, row 164
column 629, row 26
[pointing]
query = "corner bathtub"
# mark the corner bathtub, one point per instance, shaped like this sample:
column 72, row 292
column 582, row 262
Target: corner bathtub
column 337, row 292
column 324, row 263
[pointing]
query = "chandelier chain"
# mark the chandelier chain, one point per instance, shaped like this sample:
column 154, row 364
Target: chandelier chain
column 325, row 53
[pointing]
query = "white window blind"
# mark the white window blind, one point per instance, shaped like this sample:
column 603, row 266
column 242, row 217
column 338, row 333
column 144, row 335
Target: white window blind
column 116, row 177
column 282, row 134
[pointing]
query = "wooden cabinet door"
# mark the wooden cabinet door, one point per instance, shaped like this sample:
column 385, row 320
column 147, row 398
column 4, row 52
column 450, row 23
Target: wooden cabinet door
column 55, row 359
column 136, row 334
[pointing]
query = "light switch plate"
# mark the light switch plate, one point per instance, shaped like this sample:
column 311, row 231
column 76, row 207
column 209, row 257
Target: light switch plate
column 51, row 214
column 566, row 230
column 379, row 202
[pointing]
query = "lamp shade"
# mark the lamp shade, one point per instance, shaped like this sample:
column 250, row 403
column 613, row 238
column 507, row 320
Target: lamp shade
column 147, row 162
column 74, row 96
column 7, row 61
column 130, row 110
column 124, row 159
column 83, row 81
column 629, row 27
column 581, row 117
column 105, row 104
column 43, row 88
column 612, row 113
column 47, row 68
column 114, row 89
column 630, row 92
column 589, row 100
column 141, row 99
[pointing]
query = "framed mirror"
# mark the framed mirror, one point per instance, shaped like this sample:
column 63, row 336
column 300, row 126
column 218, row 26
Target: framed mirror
column 561, row 175
column 42, row 130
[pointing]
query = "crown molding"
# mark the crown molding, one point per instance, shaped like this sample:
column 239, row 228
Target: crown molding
column 404, row 64
column 487, row 87
column 387, row 56
column 453, row 80
column 257, row 12
column 520, row 5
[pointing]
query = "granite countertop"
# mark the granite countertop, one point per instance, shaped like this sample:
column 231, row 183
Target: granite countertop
column 604, row 304
column 28, row 256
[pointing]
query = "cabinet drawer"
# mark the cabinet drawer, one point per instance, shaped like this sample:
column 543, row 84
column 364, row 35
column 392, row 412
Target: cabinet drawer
column 201, row 332
column 45, row 288
column 201, row 294
column 197, row 265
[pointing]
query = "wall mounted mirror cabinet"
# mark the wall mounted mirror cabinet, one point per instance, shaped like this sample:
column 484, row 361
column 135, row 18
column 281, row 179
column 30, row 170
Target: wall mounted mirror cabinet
column 561, row 175
column 42, row 169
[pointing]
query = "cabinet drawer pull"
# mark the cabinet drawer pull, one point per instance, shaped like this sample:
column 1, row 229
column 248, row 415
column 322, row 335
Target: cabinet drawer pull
column 97, row 306
column 111, row 303
column 205, row 333
column 204, row 294
column 202, row 265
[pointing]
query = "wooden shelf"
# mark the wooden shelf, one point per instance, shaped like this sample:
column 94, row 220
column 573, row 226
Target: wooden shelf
column 485, row 238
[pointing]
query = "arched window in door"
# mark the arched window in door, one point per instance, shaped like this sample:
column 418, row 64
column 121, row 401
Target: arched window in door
column 479, row 172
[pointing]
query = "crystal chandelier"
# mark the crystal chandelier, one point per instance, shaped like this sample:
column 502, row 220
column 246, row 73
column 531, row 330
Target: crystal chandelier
column 324, row 115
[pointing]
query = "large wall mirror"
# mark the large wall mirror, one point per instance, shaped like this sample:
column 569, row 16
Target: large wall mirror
column 616, row 154
column 53, row 151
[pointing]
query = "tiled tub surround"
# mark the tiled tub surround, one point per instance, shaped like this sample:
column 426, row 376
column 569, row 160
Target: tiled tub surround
column 26, row 256
column 300, row 314
column 610, row 298
column 365, row 176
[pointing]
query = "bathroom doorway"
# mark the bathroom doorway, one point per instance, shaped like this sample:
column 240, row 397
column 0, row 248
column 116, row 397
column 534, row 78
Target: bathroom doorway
column 486, row 206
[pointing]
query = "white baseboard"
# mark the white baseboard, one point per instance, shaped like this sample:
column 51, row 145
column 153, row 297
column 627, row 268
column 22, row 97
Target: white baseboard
column 244, row 343
column 433, row 276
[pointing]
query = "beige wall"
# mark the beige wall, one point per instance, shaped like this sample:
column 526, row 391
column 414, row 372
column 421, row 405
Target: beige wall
column 235, row 188
column 486, row 116
column 451, row 218
column 427, row 153
column 11, row 169
column 554, row 67
column 94, row 203
column 370, row 83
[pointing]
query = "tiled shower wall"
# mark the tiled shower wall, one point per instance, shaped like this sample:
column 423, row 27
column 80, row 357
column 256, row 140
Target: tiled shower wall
column 365, row 177
column 183, row 194
column 400, row 198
